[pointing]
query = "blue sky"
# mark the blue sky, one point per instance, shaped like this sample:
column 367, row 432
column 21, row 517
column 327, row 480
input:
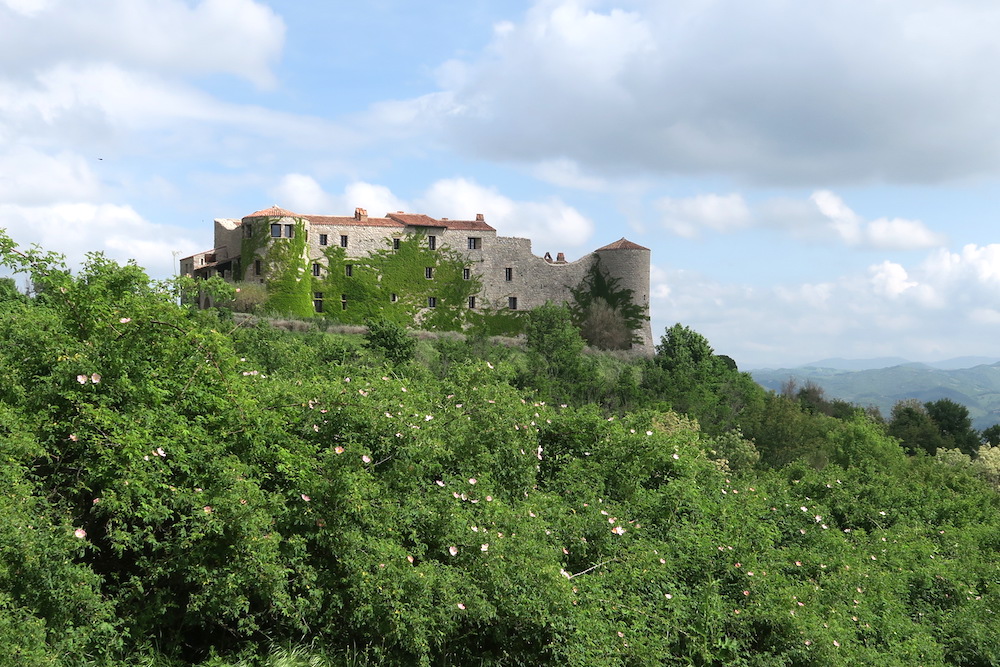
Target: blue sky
column 814, row 179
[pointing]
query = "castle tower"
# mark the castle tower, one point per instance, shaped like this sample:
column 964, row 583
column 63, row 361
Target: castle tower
column 629, row 263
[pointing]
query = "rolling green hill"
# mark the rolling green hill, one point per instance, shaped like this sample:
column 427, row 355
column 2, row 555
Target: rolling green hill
column 977, row 388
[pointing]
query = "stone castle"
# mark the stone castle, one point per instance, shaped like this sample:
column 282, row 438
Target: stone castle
column 510, row 275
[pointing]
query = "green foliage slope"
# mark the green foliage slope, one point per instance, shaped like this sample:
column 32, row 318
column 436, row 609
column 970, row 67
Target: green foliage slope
column 179, row 490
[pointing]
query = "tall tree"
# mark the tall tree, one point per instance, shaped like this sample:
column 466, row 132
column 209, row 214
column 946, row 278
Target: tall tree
column 953, row 422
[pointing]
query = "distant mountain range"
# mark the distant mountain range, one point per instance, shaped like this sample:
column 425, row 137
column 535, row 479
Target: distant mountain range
column 972, row 381
column 957, row 363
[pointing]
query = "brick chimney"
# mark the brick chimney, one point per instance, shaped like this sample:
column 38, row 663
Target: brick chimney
column 480, row 217
column 560, row 258
column 360, row 214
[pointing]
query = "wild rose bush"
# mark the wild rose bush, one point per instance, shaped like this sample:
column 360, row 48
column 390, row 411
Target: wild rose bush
column 179, row 490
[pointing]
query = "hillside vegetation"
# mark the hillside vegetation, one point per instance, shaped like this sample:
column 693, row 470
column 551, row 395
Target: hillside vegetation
column 976, row 387
column 179, row 489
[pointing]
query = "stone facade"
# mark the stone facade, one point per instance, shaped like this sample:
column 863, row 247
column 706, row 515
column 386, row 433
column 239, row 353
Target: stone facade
column 510, row 274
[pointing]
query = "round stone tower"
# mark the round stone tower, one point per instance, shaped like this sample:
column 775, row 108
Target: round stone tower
column 629, row 263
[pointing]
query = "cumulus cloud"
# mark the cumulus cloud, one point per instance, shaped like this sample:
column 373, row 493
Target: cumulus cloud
column 303, row 194
column 893, row 91
column 721, row 213
column 121, row 233
column 549, row 223
column 239, row 37
column 883, row 233
column 822, row 217
column 944, row 305
column 31, row 177
column 566, row 173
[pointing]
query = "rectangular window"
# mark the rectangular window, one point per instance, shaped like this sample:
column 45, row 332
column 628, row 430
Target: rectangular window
column 393, row 297
column 343, row 302
column 395, row 244
column 512, row 302
column 466, row 274
column 288, row 231
column 343, row 241
column 432, row 302
column 472, row 302
column 318, row 301
column 324, row 239
column 256, row 267
column 275, row 231
column 508, row 274
column 432, row 242
column 315, row 269
column 348, row 270
column 428, row 272
column 475, row 243
column 248, row 230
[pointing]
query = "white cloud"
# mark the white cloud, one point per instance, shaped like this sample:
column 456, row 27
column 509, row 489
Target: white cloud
column 550, row 223
column 27, row 7
column 32, row 177
column 944, row 306
column 106, row 111
column 844, row 222
column 894, row 91
column 302, row 194
column 902, row 234
column 720, row 213
column 824, row 216
column 890, row 279
column 567, row 174
column 74, row 229
column 239, row 37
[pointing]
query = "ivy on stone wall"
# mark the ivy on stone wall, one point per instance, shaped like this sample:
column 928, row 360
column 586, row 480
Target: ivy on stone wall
column 392, row 284
column 389, row 284
column 605, row 312
column 285, row 265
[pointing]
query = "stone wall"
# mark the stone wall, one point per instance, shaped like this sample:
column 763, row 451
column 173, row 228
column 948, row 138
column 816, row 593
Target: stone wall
column 511, row 275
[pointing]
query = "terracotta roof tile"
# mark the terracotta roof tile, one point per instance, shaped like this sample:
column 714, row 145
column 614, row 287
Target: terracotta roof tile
column 471, row 225
column 273, row 212
column 415, row 219
column 351, row 221
column 622, row 244
column 398, row 219
column 421, row 220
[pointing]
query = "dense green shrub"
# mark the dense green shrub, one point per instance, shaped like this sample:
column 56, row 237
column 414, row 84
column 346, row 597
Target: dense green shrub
column 182, row 490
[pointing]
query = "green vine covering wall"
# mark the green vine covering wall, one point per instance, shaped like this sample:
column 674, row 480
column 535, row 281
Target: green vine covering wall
column 285, row 264
column 599, row 291
column 392, row 284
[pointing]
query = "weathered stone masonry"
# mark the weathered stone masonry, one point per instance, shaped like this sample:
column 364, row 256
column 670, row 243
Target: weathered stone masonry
column 510, row 274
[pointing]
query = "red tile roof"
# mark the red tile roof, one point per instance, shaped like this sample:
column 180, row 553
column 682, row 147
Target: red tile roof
column 273, row 212
column 398, row 219
column 421, row 220
column 351, row 221
column 414, row 219
column 622, row 244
